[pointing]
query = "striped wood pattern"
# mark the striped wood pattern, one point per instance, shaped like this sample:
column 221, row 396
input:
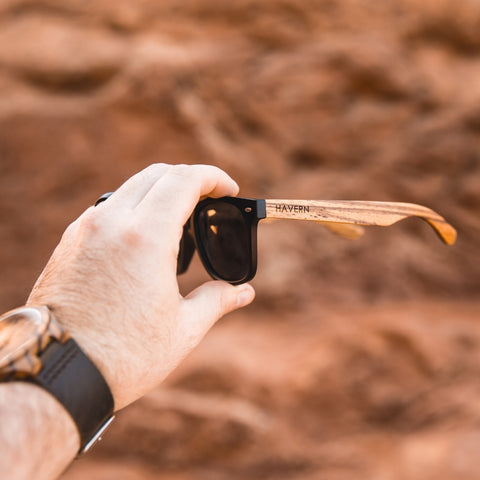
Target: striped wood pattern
column 359, row 213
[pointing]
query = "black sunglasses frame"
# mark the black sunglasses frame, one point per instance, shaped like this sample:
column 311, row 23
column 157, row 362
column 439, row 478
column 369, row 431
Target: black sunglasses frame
column 251, row 210
column 342, row 217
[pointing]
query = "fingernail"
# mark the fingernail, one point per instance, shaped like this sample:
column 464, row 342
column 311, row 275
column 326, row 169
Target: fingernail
column 246, row 296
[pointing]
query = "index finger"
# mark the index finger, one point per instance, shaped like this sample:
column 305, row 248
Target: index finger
column 174, row 195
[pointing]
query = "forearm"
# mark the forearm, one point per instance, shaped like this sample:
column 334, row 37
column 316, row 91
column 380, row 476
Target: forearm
column 38, row 438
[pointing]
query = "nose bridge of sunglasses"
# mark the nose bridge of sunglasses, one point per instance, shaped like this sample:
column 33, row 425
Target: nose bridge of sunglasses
column 103, row 197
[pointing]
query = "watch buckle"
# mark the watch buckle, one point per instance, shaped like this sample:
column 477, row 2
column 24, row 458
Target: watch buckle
column 97, row 436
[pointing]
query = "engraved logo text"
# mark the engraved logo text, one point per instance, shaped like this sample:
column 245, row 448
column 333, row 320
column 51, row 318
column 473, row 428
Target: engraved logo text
column 292, row 208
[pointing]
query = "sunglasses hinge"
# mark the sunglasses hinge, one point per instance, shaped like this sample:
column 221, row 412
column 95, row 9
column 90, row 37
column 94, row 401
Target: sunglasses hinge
column 261, row 209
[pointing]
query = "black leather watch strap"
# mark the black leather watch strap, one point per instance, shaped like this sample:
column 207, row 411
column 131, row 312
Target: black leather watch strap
column 70, row 376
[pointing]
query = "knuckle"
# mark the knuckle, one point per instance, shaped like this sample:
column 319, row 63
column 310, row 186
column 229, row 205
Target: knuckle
column 181, row 170
column 70, row 230
column 155, row 167
column 131, row 236
column 91, row 221
column 153, row 171
column 193, row 175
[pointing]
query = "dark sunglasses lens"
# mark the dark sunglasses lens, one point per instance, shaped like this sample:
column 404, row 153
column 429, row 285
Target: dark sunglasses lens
column 225, row 238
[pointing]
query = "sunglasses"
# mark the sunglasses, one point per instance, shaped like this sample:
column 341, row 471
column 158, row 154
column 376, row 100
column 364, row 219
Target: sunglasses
column 224, row 230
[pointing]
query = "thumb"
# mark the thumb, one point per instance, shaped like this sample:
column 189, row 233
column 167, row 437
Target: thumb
column 209, row 302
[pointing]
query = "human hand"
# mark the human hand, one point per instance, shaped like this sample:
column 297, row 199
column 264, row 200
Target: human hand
column 111, row 281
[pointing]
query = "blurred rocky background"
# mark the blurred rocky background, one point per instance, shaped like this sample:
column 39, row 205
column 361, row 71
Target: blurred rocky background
column 358, row 360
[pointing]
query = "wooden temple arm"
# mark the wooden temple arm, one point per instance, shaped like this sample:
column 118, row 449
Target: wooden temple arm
column 358, row 213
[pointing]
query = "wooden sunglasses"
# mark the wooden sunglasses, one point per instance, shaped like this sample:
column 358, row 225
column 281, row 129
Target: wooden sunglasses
column 224, row 230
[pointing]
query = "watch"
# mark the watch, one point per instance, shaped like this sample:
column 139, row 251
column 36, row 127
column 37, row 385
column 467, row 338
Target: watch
column 35, row 348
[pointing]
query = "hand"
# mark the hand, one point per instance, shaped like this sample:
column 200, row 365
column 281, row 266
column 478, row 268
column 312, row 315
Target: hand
column 112, row 279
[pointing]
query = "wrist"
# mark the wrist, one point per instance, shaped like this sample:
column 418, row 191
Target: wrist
column 96, row 344
column 38, row 350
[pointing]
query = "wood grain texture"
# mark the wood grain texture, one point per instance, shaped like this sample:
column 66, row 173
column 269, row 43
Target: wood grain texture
column 359, row 213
